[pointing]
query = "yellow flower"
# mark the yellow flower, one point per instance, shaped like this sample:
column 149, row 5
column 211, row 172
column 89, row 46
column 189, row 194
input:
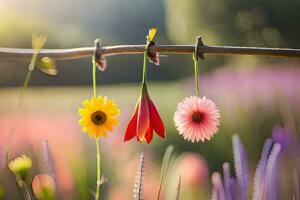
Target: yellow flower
column 20, row 166
column 98, row 116
column 151, row 34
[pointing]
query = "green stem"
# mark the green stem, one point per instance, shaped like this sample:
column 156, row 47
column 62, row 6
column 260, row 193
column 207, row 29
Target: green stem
column 24, row 188
column 25, row 85
column 97, row 196
column 94, row 76
column 196, row 68
column 145, row 64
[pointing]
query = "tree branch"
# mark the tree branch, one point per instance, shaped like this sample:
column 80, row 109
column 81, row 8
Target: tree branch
column 76, row 53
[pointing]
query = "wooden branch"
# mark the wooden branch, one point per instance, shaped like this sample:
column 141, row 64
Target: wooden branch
column 76, row 53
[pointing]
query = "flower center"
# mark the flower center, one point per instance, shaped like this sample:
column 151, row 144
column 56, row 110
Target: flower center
column 98, row 117
column 197, row 117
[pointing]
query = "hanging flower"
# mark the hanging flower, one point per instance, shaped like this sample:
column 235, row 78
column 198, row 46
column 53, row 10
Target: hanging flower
column 98, row 116
column 20, row 166
column 145, row 120
column 197, row 118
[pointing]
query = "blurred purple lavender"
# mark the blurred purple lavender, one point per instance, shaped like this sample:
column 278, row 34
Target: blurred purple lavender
column 49, row 160
column 285, row 137
column 266, row 174
column 271, row 178
column 218, row 192
column 260, row 172
column 138, row 183
column 241, row 167
column 229, row 183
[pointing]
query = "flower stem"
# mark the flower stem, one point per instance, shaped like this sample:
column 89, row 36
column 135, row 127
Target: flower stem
column 24, row 188
column 196, row 68
column 145, row 64
column 94, row 75
column 97, row 196
column 20, row 99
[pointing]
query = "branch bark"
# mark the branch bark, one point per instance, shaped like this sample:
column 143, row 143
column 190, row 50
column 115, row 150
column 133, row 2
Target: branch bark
column 76, row 53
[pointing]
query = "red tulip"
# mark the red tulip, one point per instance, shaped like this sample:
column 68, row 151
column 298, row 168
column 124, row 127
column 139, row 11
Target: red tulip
column 145, row 120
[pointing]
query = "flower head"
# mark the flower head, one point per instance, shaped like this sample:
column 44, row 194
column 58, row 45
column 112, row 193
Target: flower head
column 43, row 186
column 197, row 118
column 20, row 166
column 145, row 120
column 98, row 116
column 193, row 170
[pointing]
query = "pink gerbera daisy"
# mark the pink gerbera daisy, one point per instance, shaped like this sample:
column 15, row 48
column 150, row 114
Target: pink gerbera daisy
column 197, row 118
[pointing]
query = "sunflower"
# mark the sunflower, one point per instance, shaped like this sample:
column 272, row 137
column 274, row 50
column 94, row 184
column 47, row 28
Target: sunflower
column 98, row 116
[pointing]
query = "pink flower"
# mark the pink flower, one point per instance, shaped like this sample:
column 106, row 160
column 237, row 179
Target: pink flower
column 197, row 118
column 193, row 170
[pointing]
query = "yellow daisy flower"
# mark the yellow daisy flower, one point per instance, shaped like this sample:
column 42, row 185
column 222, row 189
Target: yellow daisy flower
column 98, row 116
column 20, row 166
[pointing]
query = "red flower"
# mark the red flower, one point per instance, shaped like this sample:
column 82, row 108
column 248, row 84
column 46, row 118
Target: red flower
column 145, row 120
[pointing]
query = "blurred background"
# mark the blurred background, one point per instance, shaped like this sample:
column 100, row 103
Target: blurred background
column 256, row 95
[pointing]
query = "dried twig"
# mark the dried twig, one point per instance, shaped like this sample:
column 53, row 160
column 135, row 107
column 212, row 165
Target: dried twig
column 75, row 53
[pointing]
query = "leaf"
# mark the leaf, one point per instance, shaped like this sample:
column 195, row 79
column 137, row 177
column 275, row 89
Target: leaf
column 38, row 40
column 101, row 63
column 165, row 167
column 178, row 188
column 153, row 56
column 47, row 65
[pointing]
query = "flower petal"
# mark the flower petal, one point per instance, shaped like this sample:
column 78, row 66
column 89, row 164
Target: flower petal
column 149, row 134
column 131, row 127
column 151, row 34
column 155, row 120
column 143, row 120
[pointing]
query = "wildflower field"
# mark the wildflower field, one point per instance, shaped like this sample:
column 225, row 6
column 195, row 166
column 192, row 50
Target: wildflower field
column 153, row 109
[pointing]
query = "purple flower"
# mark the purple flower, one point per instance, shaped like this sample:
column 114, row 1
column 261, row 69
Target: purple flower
column 218, row 192
column 265, row 179
column 284, row 137
column 260, row 172
column 241, row 166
